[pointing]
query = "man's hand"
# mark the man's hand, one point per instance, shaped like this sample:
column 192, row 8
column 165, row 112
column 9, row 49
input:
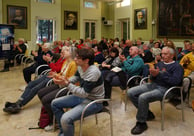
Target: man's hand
column 154, row 72
column 122, row 58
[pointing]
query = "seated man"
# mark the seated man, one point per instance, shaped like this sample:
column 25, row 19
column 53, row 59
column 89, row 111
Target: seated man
column 188, row 64
column 91, row 88
column 132, row 65
column 28, row 71
column 19, row 48
column 167, row 74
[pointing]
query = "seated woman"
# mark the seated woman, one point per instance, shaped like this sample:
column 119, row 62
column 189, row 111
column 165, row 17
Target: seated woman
column 111, row 61
column 33, row 87
column 99, row 57
column 47, row 94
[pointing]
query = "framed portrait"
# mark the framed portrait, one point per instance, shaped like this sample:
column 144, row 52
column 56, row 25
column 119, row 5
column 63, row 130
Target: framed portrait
column 17, row 16
column 140, row 18
column 175, row 18
column 70, row 20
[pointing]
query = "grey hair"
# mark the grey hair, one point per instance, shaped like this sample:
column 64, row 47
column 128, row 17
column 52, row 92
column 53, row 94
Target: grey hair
column 172, row 51
column 72, row 50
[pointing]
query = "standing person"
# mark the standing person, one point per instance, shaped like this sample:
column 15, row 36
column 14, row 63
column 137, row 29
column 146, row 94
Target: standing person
column 167, row 74
column 91, row 88
column 19, row 48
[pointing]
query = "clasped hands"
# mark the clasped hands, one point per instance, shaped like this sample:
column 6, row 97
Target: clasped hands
column 60, row 80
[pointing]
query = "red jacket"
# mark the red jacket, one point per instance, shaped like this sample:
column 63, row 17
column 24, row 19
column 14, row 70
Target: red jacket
column 57, row 65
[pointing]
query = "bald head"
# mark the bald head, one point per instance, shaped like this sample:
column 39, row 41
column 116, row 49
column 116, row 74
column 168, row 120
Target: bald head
column 128, row 43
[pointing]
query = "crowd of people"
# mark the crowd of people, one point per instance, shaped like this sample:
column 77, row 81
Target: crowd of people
column 87, row 70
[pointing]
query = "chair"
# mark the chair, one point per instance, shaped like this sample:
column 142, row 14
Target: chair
column 21, row 55
column 108, row 110
column 163, row 101
column 41, row 70
column 132, row 81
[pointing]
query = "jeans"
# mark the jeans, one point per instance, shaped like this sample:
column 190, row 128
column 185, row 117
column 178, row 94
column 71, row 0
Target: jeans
column 77, row 104
column 32, row 88
column 142, row 95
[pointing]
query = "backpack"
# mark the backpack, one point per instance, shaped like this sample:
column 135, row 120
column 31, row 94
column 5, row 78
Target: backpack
column 44, row 119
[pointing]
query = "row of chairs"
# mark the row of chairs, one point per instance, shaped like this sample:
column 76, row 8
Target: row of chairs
column 135, row 80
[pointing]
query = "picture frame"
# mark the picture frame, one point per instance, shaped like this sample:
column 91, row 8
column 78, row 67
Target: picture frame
column 140, row 18
column 70, row 20
column 17, row 16
column 46, row 1
column 175, row 19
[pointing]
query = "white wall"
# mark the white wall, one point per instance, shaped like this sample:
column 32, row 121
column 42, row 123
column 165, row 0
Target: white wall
column 47, row 11
column 90, row 14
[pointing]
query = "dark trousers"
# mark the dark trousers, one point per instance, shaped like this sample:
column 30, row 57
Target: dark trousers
column 27, row 72
column 47, row 94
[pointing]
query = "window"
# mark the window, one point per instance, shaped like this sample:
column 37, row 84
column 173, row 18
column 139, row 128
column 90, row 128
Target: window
column 90, row 29
column 45, row 29
column 46, row 1
column 90, row 4
column 123, row 3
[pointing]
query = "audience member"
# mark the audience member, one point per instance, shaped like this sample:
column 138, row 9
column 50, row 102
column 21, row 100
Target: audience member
column 91, row 88
column 47, row 94
column 99, row 57
column 34, row 86
column 132, row 65
column 167, row 73
column 187, row 49
column 28, row 71
column 128, row 45
column 19, row 48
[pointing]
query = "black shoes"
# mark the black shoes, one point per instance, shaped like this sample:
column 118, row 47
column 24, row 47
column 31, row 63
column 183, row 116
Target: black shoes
column 4, row 70
column 12, row 108
column 105, row 103
column 139, row 128
column 150, row 116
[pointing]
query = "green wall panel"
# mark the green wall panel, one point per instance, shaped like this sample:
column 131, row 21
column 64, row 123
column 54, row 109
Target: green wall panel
column 69, row 5
column 146, row 34
column 107, row 11
column 24, row 33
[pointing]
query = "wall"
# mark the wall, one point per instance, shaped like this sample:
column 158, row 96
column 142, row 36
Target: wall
column 45, row 11
column 25, row 33
column 120, row 14
column 146, row 34
column 107, row 11
column 1, row 11
column 89, row 14
column 69, row 5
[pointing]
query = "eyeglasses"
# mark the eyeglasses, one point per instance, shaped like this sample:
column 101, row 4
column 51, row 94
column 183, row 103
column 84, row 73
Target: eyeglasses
column 78, row 57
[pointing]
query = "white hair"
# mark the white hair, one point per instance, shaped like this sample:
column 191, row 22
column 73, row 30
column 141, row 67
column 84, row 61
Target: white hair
column 172, row 51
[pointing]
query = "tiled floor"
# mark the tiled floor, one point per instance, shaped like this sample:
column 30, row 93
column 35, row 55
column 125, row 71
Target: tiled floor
column 18, row 124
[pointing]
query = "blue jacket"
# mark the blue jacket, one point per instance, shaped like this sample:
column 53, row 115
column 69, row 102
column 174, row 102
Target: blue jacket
column 169, row 75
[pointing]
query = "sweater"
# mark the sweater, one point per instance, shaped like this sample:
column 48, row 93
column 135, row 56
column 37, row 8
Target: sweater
column 133, row 66
column 170, row 74
column 190, row 67
column 91, row 83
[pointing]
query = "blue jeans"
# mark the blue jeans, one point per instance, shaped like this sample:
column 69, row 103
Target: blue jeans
column 32, row 89
column 142, row 95
column 77, row 104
